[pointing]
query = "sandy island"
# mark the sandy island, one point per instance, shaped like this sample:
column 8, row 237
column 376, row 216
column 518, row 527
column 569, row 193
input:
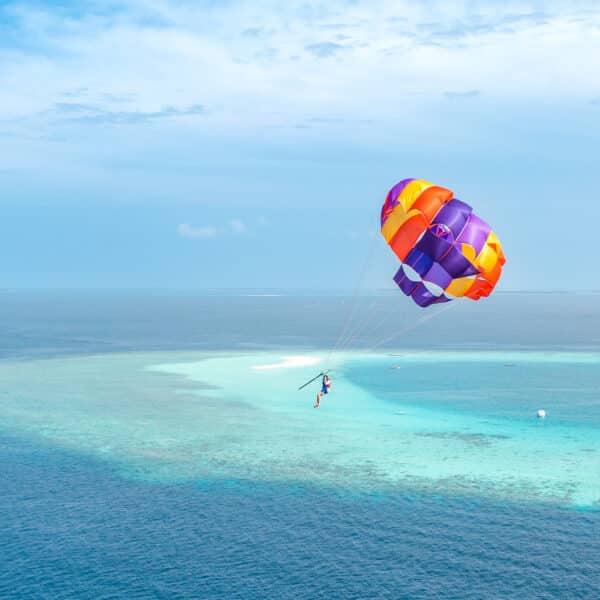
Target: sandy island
column 291, row 361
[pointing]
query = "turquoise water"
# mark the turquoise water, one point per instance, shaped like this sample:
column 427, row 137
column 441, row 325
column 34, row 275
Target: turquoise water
column 452, row 422
column 175, row 466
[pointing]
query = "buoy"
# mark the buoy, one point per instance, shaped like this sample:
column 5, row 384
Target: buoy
column 541, row 413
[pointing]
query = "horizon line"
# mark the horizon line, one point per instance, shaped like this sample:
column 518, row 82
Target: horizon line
column 265, row 288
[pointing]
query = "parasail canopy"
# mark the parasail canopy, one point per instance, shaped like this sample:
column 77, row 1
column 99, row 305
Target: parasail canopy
column 446, row 251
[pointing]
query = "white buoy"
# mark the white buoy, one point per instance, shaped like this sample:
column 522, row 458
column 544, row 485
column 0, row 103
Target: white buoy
column 541, row 413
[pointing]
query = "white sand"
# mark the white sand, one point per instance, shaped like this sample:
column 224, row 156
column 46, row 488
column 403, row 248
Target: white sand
column 291, row 361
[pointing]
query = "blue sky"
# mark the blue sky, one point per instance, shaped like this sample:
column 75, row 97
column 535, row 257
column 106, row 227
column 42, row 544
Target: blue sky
column 250, row 144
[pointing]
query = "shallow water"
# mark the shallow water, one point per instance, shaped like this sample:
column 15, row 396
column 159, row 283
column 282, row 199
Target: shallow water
column 456, row 422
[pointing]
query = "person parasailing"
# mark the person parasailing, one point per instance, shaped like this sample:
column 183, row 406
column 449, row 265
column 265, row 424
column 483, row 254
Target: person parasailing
column 326, row 384
column 325, row 387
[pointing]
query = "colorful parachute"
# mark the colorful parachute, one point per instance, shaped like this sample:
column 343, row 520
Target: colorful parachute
column 446, row 250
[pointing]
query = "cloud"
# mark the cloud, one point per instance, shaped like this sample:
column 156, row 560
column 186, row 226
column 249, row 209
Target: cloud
column 190, row 231
column 327, row 120
column 235, row 227
column 459, row 95
column 462, row 30
column 238, row 226
column 149, row 62
column 88, row 113
column 324, row 49
column 254, row 32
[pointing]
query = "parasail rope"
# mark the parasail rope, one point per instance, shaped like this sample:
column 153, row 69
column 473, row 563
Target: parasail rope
column 372, row 321
column 412, row 326
column 353, row 302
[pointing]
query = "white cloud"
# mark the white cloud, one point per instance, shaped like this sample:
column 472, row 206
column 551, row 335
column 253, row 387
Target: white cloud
column 118, row 89
column 191, row 231
column 399, row 59
column 238, row 226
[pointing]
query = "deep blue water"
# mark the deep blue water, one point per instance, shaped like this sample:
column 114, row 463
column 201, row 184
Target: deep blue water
column 35, row 323
column 72, row 527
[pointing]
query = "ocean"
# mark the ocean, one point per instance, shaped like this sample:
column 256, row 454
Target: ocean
column 156, row 445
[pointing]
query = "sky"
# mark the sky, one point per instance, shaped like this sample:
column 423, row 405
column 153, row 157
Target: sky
column 191, row 145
